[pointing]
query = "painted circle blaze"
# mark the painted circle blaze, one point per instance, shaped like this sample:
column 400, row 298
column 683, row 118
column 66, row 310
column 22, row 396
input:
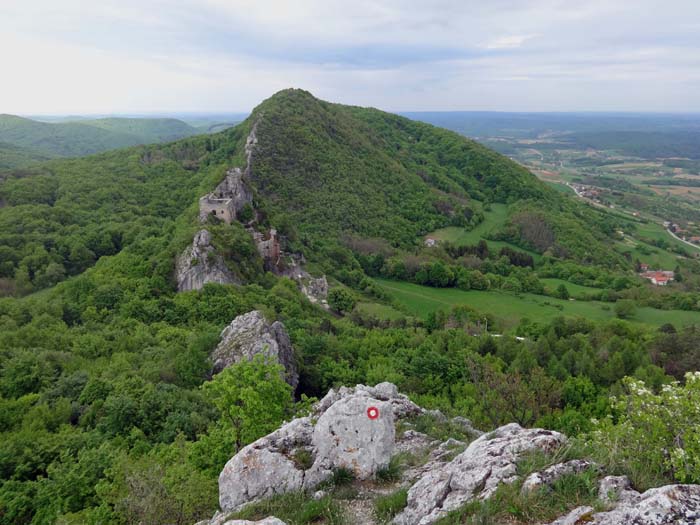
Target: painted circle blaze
column 372, row 412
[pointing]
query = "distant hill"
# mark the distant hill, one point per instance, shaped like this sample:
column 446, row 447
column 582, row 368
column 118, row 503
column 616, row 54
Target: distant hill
column 74, row 139
column 151, row 130
column 12, row 156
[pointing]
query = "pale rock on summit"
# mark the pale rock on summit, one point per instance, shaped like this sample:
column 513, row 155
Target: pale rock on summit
column 199, row 264
column 351, row 428
column 474, row 474
column 249, row 335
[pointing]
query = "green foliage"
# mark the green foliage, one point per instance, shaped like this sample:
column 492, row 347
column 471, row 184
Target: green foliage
column 654, row 435
column 85, row 137
column 252, row 398
column 625, row 309
column 340, row 300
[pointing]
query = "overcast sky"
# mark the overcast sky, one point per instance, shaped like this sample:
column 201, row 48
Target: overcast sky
column 135, row 56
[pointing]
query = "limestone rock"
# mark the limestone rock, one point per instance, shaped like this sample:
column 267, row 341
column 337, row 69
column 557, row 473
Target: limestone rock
column 577, row 516
column 249, row 335
column 356, row 433
column 315, row 289
column 199, row 264
column 475, row 473
column 668, row 505
column 342, row 431
column 617, row 489
column 266, row 521
column 549, row 475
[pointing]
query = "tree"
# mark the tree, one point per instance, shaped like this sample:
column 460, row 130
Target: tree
column 625, row 309
column 341, row 300
column 252, row 398
column 562, row 291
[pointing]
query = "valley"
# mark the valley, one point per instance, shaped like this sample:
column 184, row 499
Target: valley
column 165, row 307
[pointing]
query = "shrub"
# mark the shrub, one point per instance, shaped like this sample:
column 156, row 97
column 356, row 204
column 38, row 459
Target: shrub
column 655, row 437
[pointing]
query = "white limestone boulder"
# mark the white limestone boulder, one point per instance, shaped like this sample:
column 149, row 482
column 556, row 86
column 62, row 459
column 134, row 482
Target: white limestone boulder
column 249, row 335
column 475, row 473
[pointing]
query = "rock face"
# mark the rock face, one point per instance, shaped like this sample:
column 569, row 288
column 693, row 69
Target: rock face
column 249, row 335
column 351, row 428
column 199, row 264
column 315, row 289
column 669, row 505
column 549, row 475
column 475, row 473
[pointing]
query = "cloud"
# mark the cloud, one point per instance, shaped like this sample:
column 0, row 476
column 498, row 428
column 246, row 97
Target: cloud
column 508, row 42
column 228, row 55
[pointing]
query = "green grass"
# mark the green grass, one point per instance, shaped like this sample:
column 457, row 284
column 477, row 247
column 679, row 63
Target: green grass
column 510, row 308
column 386, row 507
column 652, row 255
column 295, row 508
column 380, row 311
column 494, row 219
column 509, row 505
column 575, row 290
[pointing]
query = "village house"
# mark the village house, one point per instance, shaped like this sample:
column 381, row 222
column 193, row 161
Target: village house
column 658, row 277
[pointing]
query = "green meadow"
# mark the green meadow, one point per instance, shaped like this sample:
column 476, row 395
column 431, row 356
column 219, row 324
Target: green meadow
column 510, row 308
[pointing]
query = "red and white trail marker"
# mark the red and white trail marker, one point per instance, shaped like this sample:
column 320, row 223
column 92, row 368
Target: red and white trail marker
column 373, row 412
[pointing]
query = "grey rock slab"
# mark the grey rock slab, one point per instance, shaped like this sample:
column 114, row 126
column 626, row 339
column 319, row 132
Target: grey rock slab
column 617, row 489
column 549, row 475
column 356, row 433
column 199, row 264
column 667, row 505
column 249, row 335
column 475, row 473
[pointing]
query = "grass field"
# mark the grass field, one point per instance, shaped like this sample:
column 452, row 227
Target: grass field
column 575, row 290
column 509, row 308
column 652, row 255
column 494, row 219
column 380, row 311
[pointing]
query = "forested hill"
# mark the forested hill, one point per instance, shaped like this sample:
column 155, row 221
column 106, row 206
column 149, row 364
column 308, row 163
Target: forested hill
column 109, row 413
column 332, row 168
column 73, row 139
column 321, row 171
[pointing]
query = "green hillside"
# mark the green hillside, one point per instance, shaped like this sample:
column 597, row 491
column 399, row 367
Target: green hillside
column 74, row 139
column 12, row 156
column 150, row 130
column 105, row 413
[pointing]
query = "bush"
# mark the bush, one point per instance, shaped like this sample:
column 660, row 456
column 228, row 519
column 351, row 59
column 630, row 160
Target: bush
column 655, row 437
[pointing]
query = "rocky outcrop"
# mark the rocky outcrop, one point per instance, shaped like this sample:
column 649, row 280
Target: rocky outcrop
column 227, row 199
column 350, row 428
column 199, row 264
column 266, row 521
column 220, row 519
column 315, row 289
column 548, row 476
column 475, row 473
column 668, row 505
column 249, row 335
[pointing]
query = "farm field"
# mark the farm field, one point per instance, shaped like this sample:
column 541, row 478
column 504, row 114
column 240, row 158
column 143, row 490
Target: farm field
column 510, row 308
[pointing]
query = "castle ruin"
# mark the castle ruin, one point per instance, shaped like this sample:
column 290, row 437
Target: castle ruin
column 227, row 200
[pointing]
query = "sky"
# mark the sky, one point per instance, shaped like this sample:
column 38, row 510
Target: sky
column 167, row 56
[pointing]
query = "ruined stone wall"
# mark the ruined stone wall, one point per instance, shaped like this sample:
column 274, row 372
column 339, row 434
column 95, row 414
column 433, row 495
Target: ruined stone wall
column 222, row 209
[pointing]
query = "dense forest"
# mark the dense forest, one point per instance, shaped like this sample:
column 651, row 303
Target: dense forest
column 108, row 410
